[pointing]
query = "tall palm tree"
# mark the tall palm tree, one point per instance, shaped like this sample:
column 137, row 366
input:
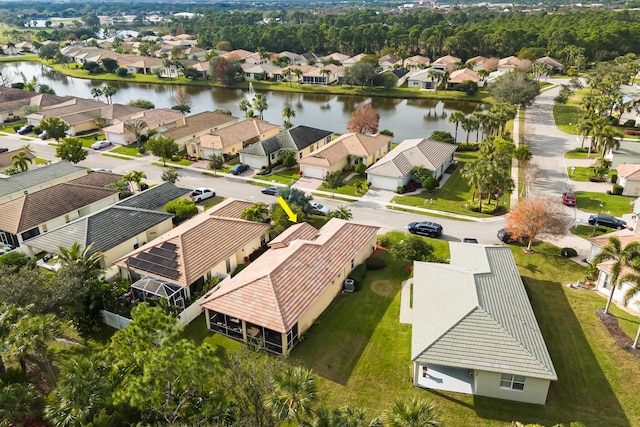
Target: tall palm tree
column 585, row 128
column 287, row 113
column 86, row 259
column 413, row 413
column 21, row 161
column 298, row 72
column 326, row 73
column 260, row 104
column 456, row 117
column 621, row 257
column 294, row 392
column 136, row 127
column 108, row 91
column 608, row 140
column 96, row 92
column 633, row 279
column 286, row 74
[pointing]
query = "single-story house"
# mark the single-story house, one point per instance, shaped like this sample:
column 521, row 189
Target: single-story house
column 387, row 62
column 335, row 56
column 629, row 178
column 161, row 119
column 474, row 330
column 258, row 71
column 197, row 125
column 36, row 213
column 416, row 62
column 447, row 63
column 280, row 74
column 353, row 60
column 512, row 63
column 231, row 139
column 274, row 300
column 302, row 140
column 294, row 58
column 325, row 75
column 38, row 178
column 350, row 148
column 463, row 75
column 394, row 169
column 13, row 100
column 477, row 62
column 177, row 264
column 552, row 64
column 425, row 79
column 6, row 162
column 154, row 198
column 237, row 55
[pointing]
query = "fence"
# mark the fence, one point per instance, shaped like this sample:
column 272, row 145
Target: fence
column 114, row 320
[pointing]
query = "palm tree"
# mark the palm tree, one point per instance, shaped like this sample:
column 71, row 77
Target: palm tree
column 585, row 128
column 435, row 76
column 294, row 392
column 342, row 212
column 21, row 161
column 286, row 74
column 96, row 92
column 608, row 140
column 136, row 127
column 468, row 127
column 257, row 212
column 621, row 257
column 135, row 176
column 260, row 104
column 456, row 117
column 326, row 73
column 108, row 91
column 414, row 413
column 287, row 113
column 86, row 259
column 18, row 400
column 9, row 316
column 245, row 106
column 298, row 72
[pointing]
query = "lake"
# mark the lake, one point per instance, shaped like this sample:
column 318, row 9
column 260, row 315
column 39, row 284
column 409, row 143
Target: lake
column 406, row 118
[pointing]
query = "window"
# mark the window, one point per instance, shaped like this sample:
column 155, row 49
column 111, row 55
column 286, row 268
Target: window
column 10, row 113
column 352, row 263
column 273, row 156
column 228, row 265
column 514, row 382
column 606, row 281
column 30, row 233
column 300, row 155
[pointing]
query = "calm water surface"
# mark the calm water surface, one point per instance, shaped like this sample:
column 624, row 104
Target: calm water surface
column 406, row 118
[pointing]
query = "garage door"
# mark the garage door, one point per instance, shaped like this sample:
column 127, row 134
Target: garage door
column 384, row 182
column 253, row 161
column 313, row 172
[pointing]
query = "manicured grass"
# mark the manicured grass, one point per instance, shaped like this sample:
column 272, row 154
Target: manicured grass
column 115, row 156
column 582, row 174
column 89, row 139
column 181, row 162
column 129, row 150
column 568, row 115
column 580, row 154
column 8, row 127
column 283, row 176
column 344, row 199
column 21, row 57
column 589, row 201
column 585, row 231
column 41, row 161
column 317, row 220
column 398, row 208
column 349, row 187
column 209, row 203
column 453, row 194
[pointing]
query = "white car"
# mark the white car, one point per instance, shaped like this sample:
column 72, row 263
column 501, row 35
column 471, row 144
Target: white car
column 100, row 144
column 320, row 209
column 200, row 194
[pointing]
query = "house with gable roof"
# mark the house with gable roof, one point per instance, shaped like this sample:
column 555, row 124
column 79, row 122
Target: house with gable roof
column 196, row 125
column 416, row 62
column 395, row 169
column 231, row 139
column 463, row 75
column 446, row 63
column 154, row 119
column 474, row 330
column 276, row 299
column 6, row 161
column 629, row 178
column 552, row 64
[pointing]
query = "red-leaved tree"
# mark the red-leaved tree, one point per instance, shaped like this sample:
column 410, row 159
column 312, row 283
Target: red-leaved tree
column 536, row 217
column 364, row 120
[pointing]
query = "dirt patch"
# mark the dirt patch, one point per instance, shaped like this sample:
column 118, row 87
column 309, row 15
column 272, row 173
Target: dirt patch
column 379, row 249
column 611, row 323
column 383, row 287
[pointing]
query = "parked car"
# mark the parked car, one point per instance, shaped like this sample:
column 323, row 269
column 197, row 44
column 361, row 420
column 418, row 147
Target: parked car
column 505, row 236
column 25, row 129
column 200, row 194
column 100, row 144
column 569, row 199
column 43, row 134
column 425, row 228
column 320, row 209
column 607, row 221
column 3, row 149
column 239, row 168
column 272, row 190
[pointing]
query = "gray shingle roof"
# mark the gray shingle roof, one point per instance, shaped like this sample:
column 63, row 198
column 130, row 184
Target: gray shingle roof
column 106, row 229
column 412, row 152
column 36, row 176
column 297, row 138
column 154, row 197
column 475, row 314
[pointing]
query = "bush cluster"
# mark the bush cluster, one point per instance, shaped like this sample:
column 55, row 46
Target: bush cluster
column 568, row 252
column 375, row 263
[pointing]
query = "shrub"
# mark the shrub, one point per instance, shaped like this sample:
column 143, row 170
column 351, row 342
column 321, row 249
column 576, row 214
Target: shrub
column 617, row 190
column 122, row 72
column 375, row 263
column 176, row 158
column 468, row 147
column 430, row 183
column 383, row 241
column 182, row 209
column 360, row 168
column 614, row 178
column 37, row 130
column 473, row 206
column 568, row 252
column 629, row 123
column 142, row 150
column 358, row 273
column 400, row 190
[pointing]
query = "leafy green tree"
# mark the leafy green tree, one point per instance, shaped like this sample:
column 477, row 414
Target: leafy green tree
column 333, row 180
column 257, row 212
column 163, row 147
column 122, row 72
column 360, row 168
column 142, row 103
column 361, row 74
column 9, row 317
column 522, row 153
column 412, row 248
column 515, row 88
column 21, row 161
column 18, row 401
column 55, row 127
column 421, row 173
column 30, row 109
column 342, row 212
column 280, row 219
column 295, row 391
column 600, row 167
column 137, row 177
column 70, row 149
column 215, row 162
column 183, row 209
column 110, row 65
column 288, row 158
column 170, row 175
column 412, row 413
column 228, row 72
column 49, row 51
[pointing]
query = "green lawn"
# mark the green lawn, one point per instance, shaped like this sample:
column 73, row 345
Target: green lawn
column 129, row 150
column 589, row 201
column 41, row 161
column 89, row 139
column 283, row 176
column 115, row 156
column 181, row 162
column 453, row 194
column 582, row 174
column 581, row 154
column 8, row 127
column 585, row 231
column 568, row 115
column 349, row 187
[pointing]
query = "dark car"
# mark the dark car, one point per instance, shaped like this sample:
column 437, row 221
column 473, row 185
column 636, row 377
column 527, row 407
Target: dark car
column 25, row 129
column 239, row 168
column 273, row 190
column 569, row 199
column 3, row 149
column 505, row 236
column 425, row 228
column 607, row 221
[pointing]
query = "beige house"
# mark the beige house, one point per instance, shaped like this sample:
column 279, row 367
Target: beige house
column 240, row 55
column 196, row 125
column 446, row 63
column 416, row 62
column 387, row 62
column 346, row 150
column 335, row 56
column 274, row 300
column 178, row 263
column 326, row 75
column 231, row 139
column 288, row 73
column 12, row 101
column 474, row 330
column 156, row 119
column 552, row 64
column 461, row 76
column 629, row 179
column 353, row 60
column 512, row 63
column 6, row 162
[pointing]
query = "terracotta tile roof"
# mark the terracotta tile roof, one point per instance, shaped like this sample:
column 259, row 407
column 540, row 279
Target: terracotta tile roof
column 417, row 60
column 509, row 61
column 97, row 179
column 629, row 171
column 626, row 236
column 237, row 55
column 477, row 59
column 336, row 56
column 5, row 158
column 201, row 243
column 608, row 267
column 446, row 60
column 303, row 231
column 391, row 58
column 317, row 72
column 304, row 68
column 236, row 133
column 463, row 75
column 199, row 123
column 230, row 208
column 279, row 287
column 549, row 61
column 37, row 208
column 349, row 143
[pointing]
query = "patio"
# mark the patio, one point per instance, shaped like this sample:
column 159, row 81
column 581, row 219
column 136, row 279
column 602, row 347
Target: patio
column 446, row 379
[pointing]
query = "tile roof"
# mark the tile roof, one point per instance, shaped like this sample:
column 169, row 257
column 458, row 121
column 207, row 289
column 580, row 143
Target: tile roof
column 279, row 287
column 413, row 152
column 105, row 229
column 477, row 59
column 481, row 318
column 296, row 138
column 200, row 122
column 551, row 62
column 625, row 236
column 238, row 54
column 97, row 179
column 37, row 208
column 37, row 176
column 463, row 75
column 5, row 158
column 154, row 197
column 201, row 243
column 336, row 56
column 236, row 133
column 390, row 58
column 629, row 171
column 349, row 143
column 230, row 208
column 445, row 60
column 417, row 60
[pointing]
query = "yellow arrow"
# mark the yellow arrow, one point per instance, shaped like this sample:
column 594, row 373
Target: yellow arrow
column 292, row 216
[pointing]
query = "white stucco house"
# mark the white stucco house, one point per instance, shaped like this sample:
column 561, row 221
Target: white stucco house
column 474, row 330
column 629, row 175
column 394, row 169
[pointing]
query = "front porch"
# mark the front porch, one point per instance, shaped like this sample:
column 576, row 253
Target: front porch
column 445, row 378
